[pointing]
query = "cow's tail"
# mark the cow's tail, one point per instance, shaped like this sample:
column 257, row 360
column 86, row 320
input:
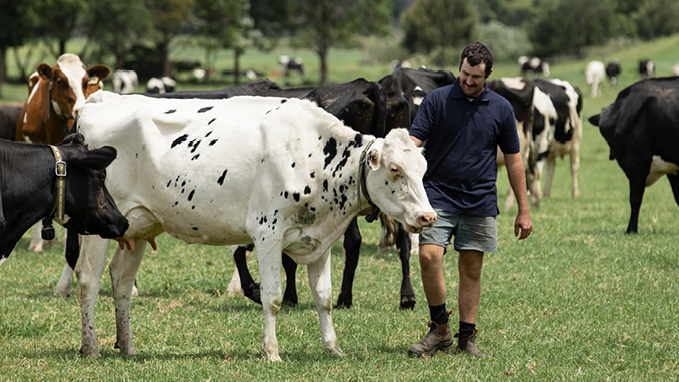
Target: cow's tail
column 389, row 231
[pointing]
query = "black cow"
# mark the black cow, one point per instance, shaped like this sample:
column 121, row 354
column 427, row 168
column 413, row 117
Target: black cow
column 9, row 115
column 642, row 131
column 29, row 190
column 613, row 71
column 646, row 69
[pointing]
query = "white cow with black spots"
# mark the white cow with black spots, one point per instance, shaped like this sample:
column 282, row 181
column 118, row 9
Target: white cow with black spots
column 280, row 173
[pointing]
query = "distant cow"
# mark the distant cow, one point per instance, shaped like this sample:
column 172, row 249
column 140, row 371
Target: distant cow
column 675, row 70
column 642, row 131
column 520, row 92
column 291, row 65
column 29, row 190
column 125, row 81
column 9, row 116
column 646, row 69
column 595, row 74
column 235, row 171
column 613, row 71
column 56, row 95
column 557, row 128
column 160, row 85
column 533, row 67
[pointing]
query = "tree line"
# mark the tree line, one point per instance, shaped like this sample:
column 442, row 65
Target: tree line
column 124, row 31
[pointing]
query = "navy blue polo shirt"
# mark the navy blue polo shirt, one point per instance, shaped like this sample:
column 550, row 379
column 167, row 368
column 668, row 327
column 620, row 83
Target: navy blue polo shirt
column 462, row 137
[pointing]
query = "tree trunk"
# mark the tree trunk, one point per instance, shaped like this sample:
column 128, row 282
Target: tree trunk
column 164, row 49
column 3, row 67
column 323, row 55
column 236, row 66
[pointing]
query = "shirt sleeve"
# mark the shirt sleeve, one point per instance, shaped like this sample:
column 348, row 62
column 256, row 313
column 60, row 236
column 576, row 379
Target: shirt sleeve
column 509, row 138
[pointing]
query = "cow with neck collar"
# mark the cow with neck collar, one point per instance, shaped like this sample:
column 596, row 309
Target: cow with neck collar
column 280, row 173
column 56, row 94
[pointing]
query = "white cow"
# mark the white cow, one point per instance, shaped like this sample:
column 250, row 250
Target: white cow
column 280, row 173
column 595, row 74
column 125, row 81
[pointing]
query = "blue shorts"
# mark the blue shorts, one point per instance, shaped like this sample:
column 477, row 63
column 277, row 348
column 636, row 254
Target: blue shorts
column 478, row 233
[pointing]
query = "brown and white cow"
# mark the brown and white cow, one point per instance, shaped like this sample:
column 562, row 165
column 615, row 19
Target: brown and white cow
column 56, row 94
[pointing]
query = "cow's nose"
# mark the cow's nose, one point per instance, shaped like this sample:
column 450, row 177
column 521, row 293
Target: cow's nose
column 428, row 220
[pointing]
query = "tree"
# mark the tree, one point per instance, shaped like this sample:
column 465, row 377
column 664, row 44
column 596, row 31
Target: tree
column 439, row 25
column 57, row 19
column 217, row 22
column 168, row 17
column 116, row 25
column 15, row 29
column 327, row 23
column 571, row 25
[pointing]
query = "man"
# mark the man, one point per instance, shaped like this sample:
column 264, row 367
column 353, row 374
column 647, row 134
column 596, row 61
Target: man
column 463, row 124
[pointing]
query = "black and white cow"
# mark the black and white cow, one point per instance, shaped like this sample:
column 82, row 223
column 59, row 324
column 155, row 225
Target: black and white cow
column 281, row 173
column 30, row 189
column 160, row 85
column 642, row 131
column 125, row 81
column 557, row 129
column 520, row 93
column 646, row 69
column 533, row 67
column 613, row 71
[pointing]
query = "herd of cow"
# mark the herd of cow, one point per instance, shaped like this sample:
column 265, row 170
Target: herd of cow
column 306, row 162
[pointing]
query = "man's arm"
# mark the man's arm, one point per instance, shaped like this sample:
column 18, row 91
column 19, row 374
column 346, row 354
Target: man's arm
column 523, row 226
column 418, row 142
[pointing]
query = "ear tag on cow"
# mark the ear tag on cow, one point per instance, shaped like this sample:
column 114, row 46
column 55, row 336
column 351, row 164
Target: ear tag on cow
column 47, row 232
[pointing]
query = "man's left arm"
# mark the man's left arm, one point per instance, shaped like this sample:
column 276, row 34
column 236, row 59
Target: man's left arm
column 523, row 225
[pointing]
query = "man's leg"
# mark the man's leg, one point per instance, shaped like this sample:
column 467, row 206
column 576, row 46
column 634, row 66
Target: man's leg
column 439, row 336
column 469, row 267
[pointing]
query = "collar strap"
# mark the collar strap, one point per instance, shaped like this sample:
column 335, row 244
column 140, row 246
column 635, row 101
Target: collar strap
column 60, row 171
column 372, row 216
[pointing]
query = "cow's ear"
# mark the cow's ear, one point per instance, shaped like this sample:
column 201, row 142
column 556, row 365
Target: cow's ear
column 76, row 138
column 374, row 159
column 45, row 72
column 100, row 71
column 594, row 120
column 97, row 159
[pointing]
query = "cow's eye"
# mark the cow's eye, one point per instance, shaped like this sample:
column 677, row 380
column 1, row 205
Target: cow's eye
column 395, row 171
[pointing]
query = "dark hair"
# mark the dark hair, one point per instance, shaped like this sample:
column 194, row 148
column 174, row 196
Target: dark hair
column 476, row 53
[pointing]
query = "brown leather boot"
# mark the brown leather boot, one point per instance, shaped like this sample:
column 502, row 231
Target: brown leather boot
column 468, row 345
column 438, row 339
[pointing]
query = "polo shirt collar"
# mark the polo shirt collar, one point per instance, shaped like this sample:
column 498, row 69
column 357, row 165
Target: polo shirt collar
column 456, row 92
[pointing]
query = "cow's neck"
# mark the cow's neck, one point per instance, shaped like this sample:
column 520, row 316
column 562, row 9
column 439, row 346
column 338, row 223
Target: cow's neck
column 363, row 192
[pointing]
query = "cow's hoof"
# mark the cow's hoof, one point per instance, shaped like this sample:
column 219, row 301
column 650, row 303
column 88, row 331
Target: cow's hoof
column 343, row 303
column 408, row 302
column 334, row 351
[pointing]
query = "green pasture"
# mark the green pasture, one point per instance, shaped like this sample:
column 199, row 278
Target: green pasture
column 579, row 300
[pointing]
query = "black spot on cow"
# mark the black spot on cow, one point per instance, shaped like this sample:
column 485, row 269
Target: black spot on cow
column 193, row 192
column 284, row 100
column 176, row 203
column 359, row 140
column 170, row 111
column 205, row 109
column 312, row 175
column 212, row 142
column 309, row 155
column 330, row 151
column 285, row 194
column 194, row 228
column 293, row 164
column 195, row 157
column 325, row 185
column 221, row 178
column 183, row 183
column 195, row 145
column 209, row 132
column 296, row 196
column 179, row 140
column 209, row 123
column 169, row 182
column 307, row 190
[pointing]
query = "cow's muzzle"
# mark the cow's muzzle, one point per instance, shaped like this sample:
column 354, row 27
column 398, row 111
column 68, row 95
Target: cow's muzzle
column 426, row 220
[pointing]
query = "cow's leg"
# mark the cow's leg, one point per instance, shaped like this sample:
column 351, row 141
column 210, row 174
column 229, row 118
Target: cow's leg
column 290, row 267
column 269, row 262
column 123, row 269
column 36, row 239
column 234, row 287
column 414, row 243
column 247, row 284
column 674, row 182
column 352, row 246
column 72, row 253
column 321, row 287
column 407, row 293
column 549, row 175
column 575, row 168
column 637, row 186
column 89, row 270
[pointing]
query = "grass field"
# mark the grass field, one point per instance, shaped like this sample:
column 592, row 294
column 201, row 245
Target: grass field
column 577, row 301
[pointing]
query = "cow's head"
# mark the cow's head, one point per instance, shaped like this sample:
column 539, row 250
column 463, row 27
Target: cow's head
column 394, row 181
column 71, row 83
column 89, row 208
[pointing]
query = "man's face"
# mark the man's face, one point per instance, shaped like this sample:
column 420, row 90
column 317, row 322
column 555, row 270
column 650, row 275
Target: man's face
column 472, row 78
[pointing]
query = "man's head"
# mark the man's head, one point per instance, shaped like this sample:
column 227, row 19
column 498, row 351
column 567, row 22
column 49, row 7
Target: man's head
column 476, row 65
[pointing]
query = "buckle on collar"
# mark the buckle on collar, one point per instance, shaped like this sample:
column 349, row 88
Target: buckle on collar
column 60, row 168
